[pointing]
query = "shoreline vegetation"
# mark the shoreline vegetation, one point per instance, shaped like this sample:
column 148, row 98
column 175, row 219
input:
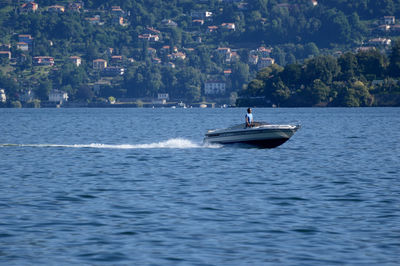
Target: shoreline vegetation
column 209, row 53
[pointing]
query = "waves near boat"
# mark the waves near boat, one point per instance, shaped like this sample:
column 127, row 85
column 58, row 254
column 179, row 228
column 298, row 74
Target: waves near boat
column 175, row 143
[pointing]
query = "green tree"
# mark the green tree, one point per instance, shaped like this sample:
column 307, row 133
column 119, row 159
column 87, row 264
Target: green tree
column 394, row 67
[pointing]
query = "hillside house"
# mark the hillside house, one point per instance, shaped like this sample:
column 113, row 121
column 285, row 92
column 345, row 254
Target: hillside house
column 380, row 42
column 365, row 49
column 99, row 64
column 197, row 22
column 264, row 52
column 253, row 59
column 58, row 96
column 112, row 71
column 75, row 7
column 265, row 62
column 169, row 23
column 56, row 9
column 226, row 53
column 384, row 28
column 26, row 38
column 388, row 20
column 29, row 7
column 214, row 87
column 153, row 31
column 170, row 65
column 228, row 26
column 177, row 55
column 211, row 29
column 156, row 60
column 3, row 97
column 117, row 11
column 43, row 60
column 76, row 60
column 119, row 21
column 94, row 20
column 395, row 28
column 5, row 54
column 201, row 14
column 227, row 72
column 116, row 59
column 149, row 37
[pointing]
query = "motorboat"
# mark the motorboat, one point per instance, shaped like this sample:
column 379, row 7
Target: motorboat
column 260, row 134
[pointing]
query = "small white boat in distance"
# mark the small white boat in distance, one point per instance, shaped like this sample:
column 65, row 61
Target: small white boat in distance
column 262, row 135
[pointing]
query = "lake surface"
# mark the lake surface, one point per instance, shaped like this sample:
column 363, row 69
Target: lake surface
column 138, row 187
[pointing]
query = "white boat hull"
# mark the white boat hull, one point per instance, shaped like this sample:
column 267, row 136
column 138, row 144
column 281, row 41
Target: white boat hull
column 263, row 135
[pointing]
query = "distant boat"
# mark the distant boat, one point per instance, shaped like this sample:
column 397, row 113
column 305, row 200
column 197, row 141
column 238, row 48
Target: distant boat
column 261, row 135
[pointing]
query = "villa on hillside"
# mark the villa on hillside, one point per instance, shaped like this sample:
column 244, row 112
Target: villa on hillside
column 43, row 60
column 214, row 87
column 29, row 7
column 22, row 46
column 3, row 97
column 265, row 62
column 58, row 96
column 99, row 64
column 76, row 60
column 228, row 26
column 5, row 54
column 201, row 14
column 56, row 9
column 388, row 20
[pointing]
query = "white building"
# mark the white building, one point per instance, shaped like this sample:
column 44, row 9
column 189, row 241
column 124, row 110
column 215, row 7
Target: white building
column 76, row 60
column 265, row 62
column 58, row 96
column 3, row 97
column 214, row 87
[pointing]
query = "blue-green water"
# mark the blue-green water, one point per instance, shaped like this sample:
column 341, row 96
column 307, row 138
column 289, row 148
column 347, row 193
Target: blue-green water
column 138, row 187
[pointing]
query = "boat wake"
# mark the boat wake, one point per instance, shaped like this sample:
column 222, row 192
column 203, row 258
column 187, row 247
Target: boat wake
column 176, row 143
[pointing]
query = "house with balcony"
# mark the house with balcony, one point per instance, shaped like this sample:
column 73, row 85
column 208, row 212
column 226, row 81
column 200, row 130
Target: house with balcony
column 214, row 87
column 58, row 96
column 112, row 71
column 228, row 26
column 149, row 37
column 56, row 9
column 29, row 7
column 76, row 60
column 380, row 42
column 26, row 38
column 3, row 97
column 5, row 54
column 211, row 29
column 388, row 20
column 75, row 7
column 265, row 62
column 99, row 64
column 22, row 46
column 43, row 61
column 202, row 14
column 117, row 11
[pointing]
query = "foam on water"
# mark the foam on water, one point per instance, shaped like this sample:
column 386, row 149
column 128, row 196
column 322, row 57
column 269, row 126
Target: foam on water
column 176, row 143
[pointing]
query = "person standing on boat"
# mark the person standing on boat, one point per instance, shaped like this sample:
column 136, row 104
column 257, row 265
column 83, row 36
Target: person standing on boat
column 249, row 118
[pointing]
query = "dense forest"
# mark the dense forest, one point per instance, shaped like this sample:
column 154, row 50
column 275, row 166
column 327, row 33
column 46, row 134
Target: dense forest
column 335, row 53
column 330, row 81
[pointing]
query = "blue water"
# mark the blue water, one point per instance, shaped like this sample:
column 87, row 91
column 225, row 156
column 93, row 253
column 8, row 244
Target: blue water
column 138, row 187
